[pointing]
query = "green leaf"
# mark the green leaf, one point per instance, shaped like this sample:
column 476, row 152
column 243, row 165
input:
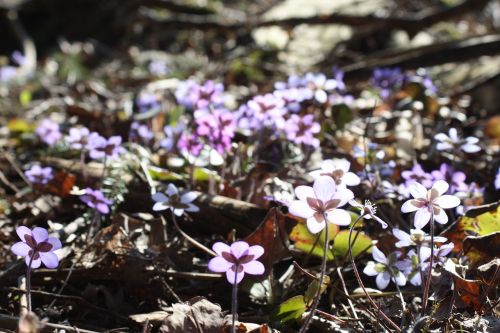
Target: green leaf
column 25, row 97
column 341, row 244
column 313, row 289
column 204, row 174
column 305, row 241
column 163, row 174
column 342, row 115
column 291, row 309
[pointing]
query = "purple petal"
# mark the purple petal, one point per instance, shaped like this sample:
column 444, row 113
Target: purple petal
column 378, row 255
column 303, row 192
column 23, row 231
column 49, row 259
column 192, row 208
column 404, row 238
column 172, row 190
column 383, row 280
column 339, row 217
column 20, row 249
column 102, row 208
column 324, row 188
column 441, row 186
column 447, row 201
column 256, row 250
column 34, row 264
column 40, row 234
column 422, row 217
column 254, row 267
column 219, row 265
column 160, row 197
column 230, row 275
column 441, row 137
column 314, row 226
column 56, row 243
column 189, row 197
column 220, row 247
column 240, row 248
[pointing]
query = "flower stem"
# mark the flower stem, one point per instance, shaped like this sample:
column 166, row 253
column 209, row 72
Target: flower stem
column 314, row 306
column 360, row 282
column 28, row 283
column 234, row 300
column 189, row 238
column 425, row 296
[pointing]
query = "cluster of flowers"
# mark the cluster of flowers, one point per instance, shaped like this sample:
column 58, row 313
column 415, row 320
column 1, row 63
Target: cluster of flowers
column 9, row 72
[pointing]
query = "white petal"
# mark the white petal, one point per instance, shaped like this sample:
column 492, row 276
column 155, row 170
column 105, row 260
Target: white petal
column 351, row 179
column 418, row 190
column 160, row 206
column 422, row 217
column 341, row 164
column 256, row 250
column 453, row 134
column 344, row 195
column 321, row 96
column 441, row 218
column 402, row 236
column 471, row 148
column 171, row 190
column 301, row 209
column 338, row 217
column 441, row 186
column 447, row 201
column 303, row 192
column 370, row 269
column 444, row 146
column 400, row 279
column 314, row 226
column 408, row 207
column 383, row 280
column 378, row 255
column 324, row 188
column 441, row 137
column 178, row 211
column 192, row 208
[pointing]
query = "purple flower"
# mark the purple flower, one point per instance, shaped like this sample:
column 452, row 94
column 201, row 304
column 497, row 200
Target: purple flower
column 455, row 179
column 190, row 144
column 7, row 73
column 48, row 132
column 441, row 253
column 38, row 175
column 172, row 135
column 385, row 268
column 236, row 260
column 158, row 67
column 321, row 201
column 195, row 96
column 262, row 111
column 140, row 132
column 148, row 102
column 95, row 199
column 417, row 174
column 175, row 201
column 36, row 246
column 338, row 169
column 100, row 147
column 78, row 137
column 413, row 265
column 321, row 85
column 301, row 130
column 387, row 80
column 452, row 141
column 429, row 203
column 415, row 237
column 217, row 127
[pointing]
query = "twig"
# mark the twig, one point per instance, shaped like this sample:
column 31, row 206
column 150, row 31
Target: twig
column 189, row 238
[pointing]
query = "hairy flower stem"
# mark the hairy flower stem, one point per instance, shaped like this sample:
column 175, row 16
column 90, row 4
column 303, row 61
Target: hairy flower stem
column 234, row 301
column 28, row 283
column 313, row 307
column 425, row 296
column 360, row 282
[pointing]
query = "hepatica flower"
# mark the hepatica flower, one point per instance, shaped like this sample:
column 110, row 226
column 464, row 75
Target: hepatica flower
column 301, row 130
column 48, row 132
column 452, row 141
column 417, row 174
column 236, row 260
column 415, row 237
column 175, row 201
column 100, row 147
column 427, row 203
column 338, row 169
column 36, row 247
column 455, row 179
column 39, row 175
column 217, row 127
column 385, row 268
column 321, row 201
column 78, row 137
column 96, row 199
column 387, row 80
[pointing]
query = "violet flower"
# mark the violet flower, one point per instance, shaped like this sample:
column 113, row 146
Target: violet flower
column 262, row 111
column 147, row 102
column 158, row 67
column 412, row 266
column 455, row 179
column 175, row 201
column 387, row 80
column 385, row 268
column 48, row 132
column 100, row 147
column 140, row 132
column 172, row 136
column 36, row 247
column 78, row 137
column 452, row 141
column 190, row 144
column 338, row 169
column 417, row 174
column 96, row 199
column 414, row 238
column 217, row 127
column 39, row 175
column 301, row 130
column 321, row 85
column 321, row 201
column 236, row 260
column 195, row 96
column 429, row 203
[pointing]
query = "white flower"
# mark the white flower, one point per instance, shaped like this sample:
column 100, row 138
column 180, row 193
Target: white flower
column 429, row 203
column 368, row 211
column 415, row 237
column 338, row 169
column 173, row 200
column 385, row 268
column 451, row 141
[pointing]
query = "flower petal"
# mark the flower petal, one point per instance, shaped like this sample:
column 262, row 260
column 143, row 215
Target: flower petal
column 22, row 231
column 254, row 267
column 220, row 247
column 20, row 249
column 240, row 248
column 172, row 190
column 447, row 201
column 409, row 206
column 56, row 243
column 441, row 218
column 383, row 280
column 301, row 209
column 159, row 197
column 49, row 259
column 160, row 206
column 40, row 234
column 441, row 137
column 370, row 269
column 422, row 217
column 418, row 191
column 178, row 211
column 400, row 279
column 471, row 148
column 351, row 179
column 189, row 197
column 231, row 274
column 378, row 255
column 339, row 217
column 303, row 192
column 324, row 188
column 314, row 226
column 192, row 208
column 404, row 238
column 256, row 251
column 34, row 264
column 219, row 265
column 441, row 186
